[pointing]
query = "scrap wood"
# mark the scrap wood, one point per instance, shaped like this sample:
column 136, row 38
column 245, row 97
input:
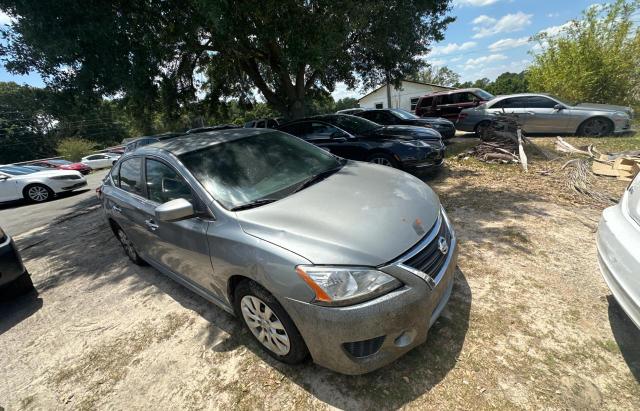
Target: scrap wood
column 580, row 180
column 565, row 147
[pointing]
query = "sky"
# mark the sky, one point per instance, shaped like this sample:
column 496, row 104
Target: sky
column 488, row 38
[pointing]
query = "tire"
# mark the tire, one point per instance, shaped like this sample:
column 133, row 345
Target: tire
column 37, row 193
column 596, row 127
column 20, row 286
column 481, row 129
column 251, row 300
column 383, row 159
column 128, row 247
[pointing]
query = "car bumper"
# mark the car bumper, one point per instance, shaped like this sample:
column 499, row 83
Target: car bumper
column 619, row 258
column 74, row 186
column 383, row 329
column 11, row 266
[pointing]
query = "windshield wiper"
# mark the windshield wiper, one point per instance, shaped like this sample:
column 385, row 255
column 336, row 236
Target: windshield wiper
column 254, row 203
column 318, row 177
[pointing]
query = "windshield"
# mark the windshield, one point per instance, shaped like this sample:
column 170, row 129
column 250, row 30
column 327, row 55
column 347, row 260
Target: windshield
column 404, row 114
column 484, row 95
column 62, row 162
column 266, row 166
column 17, row 170
column 351, row 124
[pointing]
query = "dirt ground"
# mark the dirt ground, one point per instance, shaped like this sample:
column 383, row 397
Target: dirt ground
column 531, row 324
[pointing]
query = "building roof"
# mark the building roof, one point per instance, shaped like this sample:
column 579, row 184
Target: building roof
column 407, row 81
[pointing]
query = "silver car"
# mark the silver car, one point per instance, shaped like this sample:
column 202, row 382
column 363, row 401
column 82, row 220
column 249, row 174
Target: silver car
column 545, row 114
column 347, row 261
column 618, row 243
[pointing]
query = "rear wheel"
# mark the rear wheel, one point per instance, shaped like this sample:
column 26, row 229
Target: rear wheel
column 269, row 323
column 37, row 193
column 128, row 247
column 383, row 160
column 596, row 127
column 482, row 129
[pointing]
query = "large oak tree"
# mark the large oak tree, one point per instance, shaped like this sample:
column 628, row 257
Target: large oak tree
column 175, row 51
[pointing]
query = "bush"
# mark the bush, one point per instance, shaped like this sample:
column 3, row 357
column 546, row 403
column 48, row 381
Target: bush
column 73, row 149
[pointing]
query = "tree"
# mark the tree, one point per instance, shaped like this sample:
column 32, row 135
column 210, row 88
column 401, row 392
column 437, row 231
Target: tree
column 509, row 83
column 170, row 52
column 74, row 149
column 442, row 76
column 595, row 59
column 346, row 102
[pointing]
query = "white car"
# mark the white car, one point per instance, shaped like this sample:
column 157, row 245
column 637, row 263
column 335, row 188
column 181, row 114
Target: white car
column 102, row 160
column 36, row 184
column 618, row 243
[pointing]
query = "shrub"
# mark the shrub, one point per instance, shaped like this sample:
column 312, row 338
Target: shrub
column 74, row 149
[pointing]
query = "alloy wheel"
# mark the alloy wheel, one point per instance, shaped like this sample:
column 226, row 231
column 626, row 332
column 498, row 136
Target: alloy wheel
column 38, row 193
column 596, row 127
column 382, row 161
column 127, row 245
column 265, row 325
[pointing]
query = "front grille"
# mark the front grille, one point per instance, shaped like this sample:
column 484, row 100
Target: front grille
column 430, row 259
column 364, row 348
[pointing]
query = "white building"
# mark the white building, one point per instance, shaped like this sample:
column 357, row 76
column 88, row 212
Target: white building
column 404, row 97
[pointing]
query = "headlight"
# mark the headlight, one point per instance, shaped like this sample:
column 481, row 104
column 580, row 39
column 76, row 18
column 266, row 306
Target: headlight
column 620, row 114
column 417, row 143
column 346, row 285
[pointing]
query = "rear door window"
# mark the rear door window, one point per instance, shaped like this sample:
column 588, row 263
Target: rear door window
column 425, row 102
column 540, row 102
column 130, row 176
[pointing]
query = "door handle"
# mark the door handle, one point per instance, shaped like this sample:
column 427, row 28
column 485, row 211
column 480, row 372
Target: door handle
column 116, row 209
column 531, row 113
column 151, row 224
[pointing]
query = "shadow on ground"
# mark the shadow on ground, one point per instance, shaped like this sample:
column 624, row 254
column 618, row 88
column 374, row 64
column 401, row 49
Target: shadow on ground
column 18, row 309
column 627, row 336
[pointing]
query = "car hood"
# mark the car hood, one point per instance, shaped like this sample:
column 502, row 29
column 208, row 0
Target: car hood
column 364, row 214
column 435, row 121
column 405, row 133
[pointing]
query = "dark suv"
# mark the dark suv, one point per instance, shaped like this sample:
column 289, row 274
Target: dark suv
column 449, row 104
column 398, row 116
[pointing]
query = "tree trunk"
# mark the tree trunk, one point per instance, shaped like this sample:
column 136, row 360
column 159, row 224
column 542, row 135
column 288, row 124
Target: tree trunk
column 388, row 91
column 295, row 108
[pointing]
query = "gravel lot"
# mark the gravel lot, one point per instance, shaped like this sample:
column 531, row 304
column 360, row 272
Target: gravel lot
column 530, row 325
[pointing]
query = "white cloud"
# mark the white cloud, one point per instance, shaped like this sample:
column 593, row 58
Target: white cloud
column 509, row 43
column 453, row 60
column 437, row 62
column 5, row 19
column 451, row 48
column 341, row 91
column 492, row 71
column 475, row 3
column 483, row 61
column 552, row 15
column 488, row 26
column 555, row 30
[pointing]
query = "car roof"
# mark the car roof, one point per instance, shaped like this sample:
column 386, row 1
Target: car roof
column 197, row 141
column 458, row 90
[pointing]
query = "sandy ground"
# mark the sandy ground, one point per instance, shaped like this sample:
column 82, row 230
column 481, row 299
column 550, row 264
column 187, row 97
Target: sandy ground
column 530, row 325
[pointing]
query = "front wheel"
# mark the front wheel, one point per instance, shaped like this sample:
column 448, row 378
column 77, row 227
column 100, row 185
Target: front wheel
column 269, row 323
column 596, row 127
column 37, row 193
column 383, row 160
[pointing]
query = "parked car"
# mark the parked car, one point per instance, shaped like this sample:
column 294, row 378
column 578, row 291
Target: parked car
column 211, row 128
column 618, row 252
column 397, row 116
column 343, row 260
column 264, row 123
column 409, row 148
column 60, row 164
column 449, row 104
column 146, row 140
column 14, row 278
column 351, row 111
column 546, row 114
column 100, row 160
column 20, row 182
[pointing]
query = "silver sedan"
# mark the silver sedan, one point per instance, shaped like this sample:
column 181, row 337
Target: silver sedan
column 618, row 243
column 545, row 114
column 347, row 261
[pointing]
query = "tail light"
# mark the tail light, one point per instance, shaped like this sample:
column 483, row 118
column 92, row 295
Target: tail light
column 99, row 192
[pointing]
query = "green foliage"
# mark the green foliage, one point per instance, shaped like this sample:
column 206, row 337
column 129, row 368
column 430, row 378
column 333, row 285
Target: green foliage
column 73, row 148
column 345, row 103
column 161, row 56
column 442, row 76
column 595, row 59
column 509, row 83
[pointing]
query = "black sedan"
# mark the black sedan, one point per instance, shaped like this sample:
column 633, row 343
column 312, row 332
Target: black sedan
column 412, row 149
column 396, row 116
column 14, row 278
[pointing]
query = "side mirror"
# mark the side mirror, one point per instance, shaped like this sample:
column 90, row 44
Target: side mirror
column 558, row 107
column 175, row 210
column 476, row 102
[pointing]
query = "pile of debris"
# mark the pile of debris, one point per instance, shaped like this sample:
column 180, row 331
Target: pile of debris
column 501, row 142
column 624, row 165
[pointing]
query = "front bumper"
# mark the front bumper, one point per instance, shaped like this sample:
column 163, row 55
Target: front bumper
column 11, row 266
column 619, row 258
column 398, row 321
column 74, row 186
